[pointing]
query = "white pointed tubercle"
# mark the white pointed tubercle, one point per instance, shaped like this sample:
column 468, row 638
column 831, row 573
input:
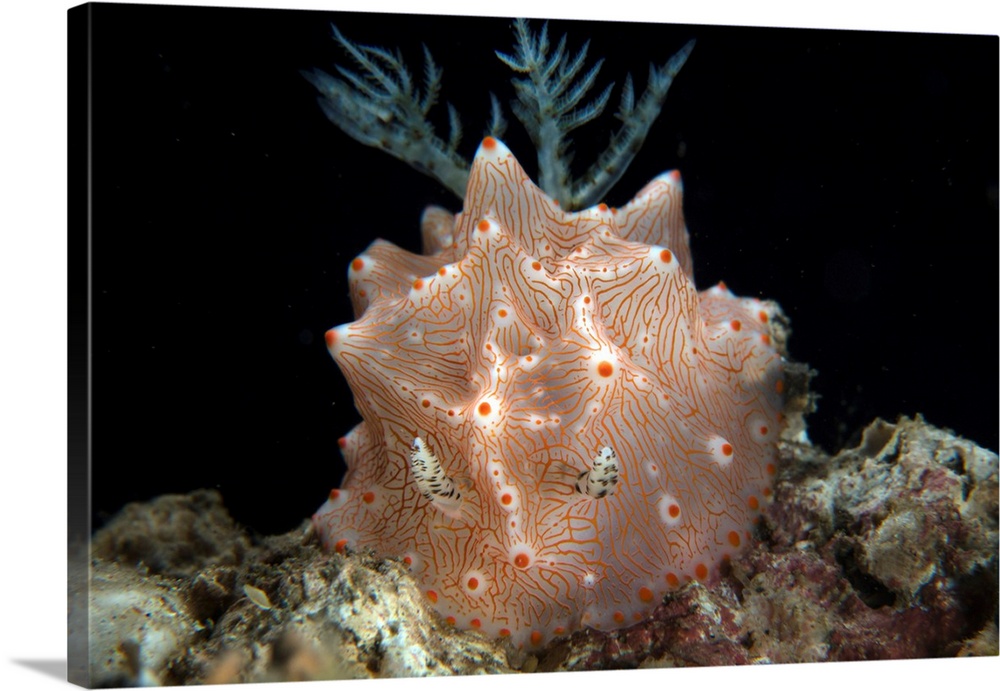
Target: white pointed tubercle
column 672, row 178
column 336, row 337
column 669, row 509
column 486, row 229
column 492, row 148
column 720, row 451
column 600, row 481
column 662, row 258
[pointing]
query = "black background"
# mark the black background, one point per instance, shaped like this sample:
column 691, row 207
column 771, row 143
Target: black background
column 851, row 176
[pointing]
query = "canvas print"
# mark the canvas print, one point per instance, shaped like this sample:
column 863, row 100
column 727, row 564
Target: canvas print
column 426, row 345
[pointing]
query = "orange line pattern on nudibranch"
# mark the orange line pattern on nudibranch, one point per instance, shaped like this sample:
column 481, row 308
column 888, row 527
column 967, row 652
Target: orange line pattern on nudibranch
column 558, row 428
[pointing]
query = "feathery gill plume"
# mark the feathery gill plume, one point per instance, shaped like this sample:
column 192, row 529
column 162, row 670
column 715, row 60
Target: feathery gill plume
column 380, row 106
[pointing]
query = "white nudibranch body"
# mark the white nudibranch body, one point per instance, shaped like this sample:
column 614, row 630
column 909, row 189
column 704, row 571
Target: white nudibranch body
column 558, row 427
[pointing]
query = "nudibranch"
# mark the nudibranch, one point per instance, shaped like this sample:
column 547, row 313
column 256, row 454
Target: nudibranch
column 558, row 429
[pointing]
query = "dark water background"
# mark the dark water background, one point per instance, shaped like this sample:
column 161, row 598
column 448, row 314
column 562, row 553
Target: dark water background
column 851, row 176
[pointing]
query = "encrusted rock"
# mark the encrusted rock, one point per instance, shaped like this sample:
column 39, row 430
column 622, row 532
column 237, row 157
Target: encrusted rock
column 332, row 616
column 884, row 551
column 285, row 612
column 138, row 627
column 174, row 535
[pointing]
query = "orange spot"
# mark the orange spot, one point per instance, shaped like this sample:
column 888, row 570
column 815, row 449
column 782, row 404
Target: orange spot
column 666, row 256
column 779, row 386
column 501, row 313
column 605, row 369
column 489, row 143
column 521, row 561
column 536, row 638
column 701, row 571
column 358, row 264
column 637, row 616
column 362, row 293
column 432, row 596
column 450, row 619
column 408, row 561
column 418, row 284
column 484, row 225
column 339, row 547
column 645, row 594
column 735, row 325
column 484, row 408
column 672, row 580
column 722, row 285
column 765, row 339
column 504, row 632
column 425, row 403
column 762, row 315
column 473, row 583
column 528, row 358
column 334, row 494
column 602, row 207
column 674, row 511
column 770, row 469
column 442, row 271
column 753, row 503
column 559, row 630
column 451, row 413
column 763, row 430
column 475, row 623
column 734, row 538
column 675, row 175
column 537, row 266
column 618, row 617
column 496, row 472
column 766, row 491
column 727, row 449
column 586, row 299
column 331, row 338
column 506, row 499
column 368, row 497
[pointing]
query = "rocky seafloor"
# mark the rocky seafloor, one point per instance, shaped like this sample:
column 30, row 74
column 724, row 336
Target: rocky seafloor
column 887, row 550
